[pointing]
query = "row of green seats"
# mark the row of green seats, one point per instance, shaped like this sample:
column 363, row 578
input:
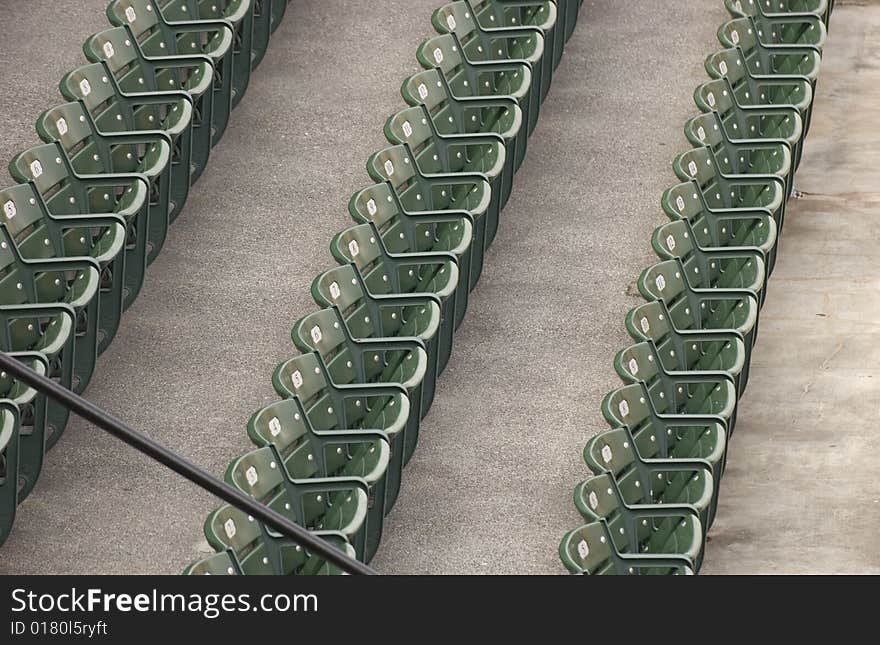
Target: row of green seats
column 94, row 201
column 330, row 454
column 656, row 472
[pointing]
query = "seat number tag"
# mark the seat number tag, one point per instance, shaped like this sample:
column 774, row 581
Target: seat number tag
column 297, row 379
column 701, row 132
column 130, row 14
column 646, row 326
column 594, row 500
column 450, row 22
column 36, row 168
column 607, row 455
column 583, row 549
column 108, row 49
column 679, row 201
column 660, row 282
column 334, row 290
column 9, row 209
column 423, row 91
column 61, row 125
column 438, row 55
column 251, row 474
column 734, row 36
column 692, row 168
column 633, row 366
column 316, row 334
column 371, row 207
column 275, row 425
column 710, row 99
column 722, row 67
column 353, row 248
column 229, row 527
column 389, row 168
column 623, row 408
column 407, row 129
column 84, row 88
column 670, row 243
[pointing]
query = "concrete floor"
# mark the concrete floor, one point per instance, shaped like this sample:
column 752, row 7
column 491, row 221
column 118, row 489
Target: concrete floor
column 489, row 489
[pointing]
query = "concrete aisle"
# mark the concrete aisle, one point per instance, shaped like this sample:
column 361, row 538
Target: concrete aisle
column 801, row 493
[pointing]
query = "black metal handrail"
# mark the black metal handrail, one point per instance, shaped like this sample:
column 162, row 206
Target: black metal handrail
column 137, row 440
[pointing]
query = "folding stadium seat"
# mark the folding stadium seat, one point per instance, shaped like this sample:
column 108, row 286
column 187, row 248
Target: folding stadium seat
column 720, row 192
column 41, row 235
column 10, row 422
column 237, row 15
column 712, row 267
column 66, row 193
column 761, row 90
column 72, row 281
column 49, row 328
column 406, row 267
column 524, row 44
column 368, row 360
column 589, row 550
column 337, row 504
column 777, row 124
column 346, row 408
column 660, row 435
column 437, row 153
column 165, row 115
column 763, row 56
column 741, row 156
column 738, row 228
column 137, row 74
column 679, row 391
column 661, row 529
column 279, row 7
column 700, row 309
column 197, row 43
column 370, row 315
column 456, row 193
column 687, row 350
column 142, row 154
column 778, row 8
column 256, row 550
column 262, row 30
column 514, row 14
column 509, row 80
column 307, row 452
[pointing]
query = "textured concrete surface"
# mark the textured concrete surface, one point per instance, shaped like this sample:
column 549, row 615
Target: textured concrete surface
column 489, row 488
column 801, row 493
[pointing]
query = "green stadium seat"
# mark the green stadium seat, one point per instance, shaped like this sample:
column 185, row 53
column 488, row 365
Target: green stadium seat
column 224, row 563
column 256, row 550
column 41, row 235
column 279, row 7
column 307, row 452
column 661, row 529
column 32, row 421
column 337, row 504
column 658, row 435
column 406, row 268
column 262, row 30
column 197, row 43
column 763, row 57
column 135, row 74
column 90, row 152
column 437, row 153
column 368, row 360
column 700, row 309
column 10, row 422
column 589, row 550
column 456, row 193
column 67, row 193
column 113, row 112
column 736, row 228
column 237, row 15
column 370, row 315
column 778, row 8
column 348, row 407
